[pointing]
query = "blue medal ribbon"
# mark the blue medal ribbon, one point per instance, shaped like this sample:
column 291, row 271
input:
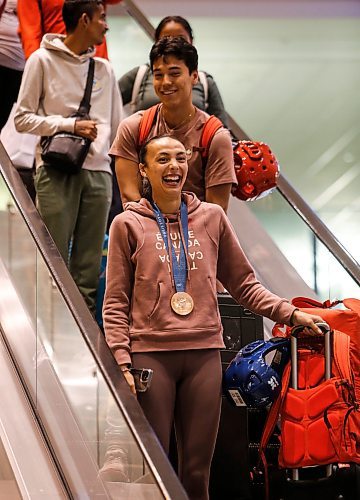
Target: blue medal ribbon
column 179, row 269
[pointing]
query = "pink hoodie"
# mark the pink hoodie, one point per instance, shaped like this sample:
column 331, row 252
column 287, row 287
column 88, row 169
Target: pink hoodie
column 137, row 312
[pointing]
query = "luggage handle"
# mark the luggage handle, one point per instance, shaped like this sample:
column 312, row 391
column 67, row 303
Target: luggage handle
column 294, row 345
column 299, row 328
column 294, row 369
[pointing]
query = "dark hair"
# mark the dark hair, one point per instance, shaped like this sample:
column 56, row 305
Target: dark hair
column 173, row 19
column 176, row 47
column 73, row 9
column 145, row 189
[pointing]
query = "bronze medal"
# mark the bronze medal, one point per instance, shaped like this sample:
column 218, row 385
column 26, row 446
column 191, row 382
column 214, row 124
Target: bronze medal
column 182, row 303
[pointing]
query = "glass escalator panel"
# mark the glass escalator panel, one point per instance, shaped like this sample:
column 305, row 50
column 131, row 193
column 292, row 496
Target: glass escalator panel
column 316, row 265
column 91, row 442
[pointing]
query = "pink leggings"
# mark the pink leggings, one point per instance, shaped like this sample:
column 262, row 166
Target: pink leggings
column 185, row 391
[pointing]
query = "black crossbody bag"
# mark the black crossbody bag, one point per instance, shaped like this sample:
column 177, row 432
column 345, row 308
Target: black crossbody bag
column 66, row 151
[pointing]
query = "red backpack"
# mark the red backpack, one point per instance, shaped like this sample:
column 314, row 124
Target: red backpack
column 211, row 126
column 346, row 320
column 320, row 421
column 256, row 167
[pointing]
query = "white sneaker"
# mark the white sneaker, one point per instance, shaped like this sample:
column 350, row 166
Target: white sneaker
column 116, row 466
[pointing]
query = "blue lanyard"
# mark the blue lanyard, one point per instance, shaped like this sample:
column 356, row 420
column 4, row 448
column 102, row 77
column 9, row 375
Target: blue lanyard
column 179, row 269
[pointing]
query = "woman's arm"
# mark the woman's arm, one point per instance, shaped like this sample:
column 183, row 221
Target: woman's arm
column 237, row 275
column 119, row 283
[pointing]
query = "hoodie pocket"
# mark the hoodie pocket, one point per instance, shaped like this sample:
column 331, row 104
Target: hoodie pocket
column 160, row 293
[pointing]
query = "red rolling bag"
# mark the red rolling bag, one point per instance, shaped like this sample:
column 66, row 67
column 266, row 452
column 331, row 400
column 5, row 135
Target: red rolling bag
column 319, row 409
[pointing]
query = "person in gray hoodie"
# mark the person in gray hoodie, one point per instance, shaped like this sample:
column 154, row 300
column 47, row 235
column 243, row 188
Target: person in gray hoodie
column 160, row 310
column 74, row 207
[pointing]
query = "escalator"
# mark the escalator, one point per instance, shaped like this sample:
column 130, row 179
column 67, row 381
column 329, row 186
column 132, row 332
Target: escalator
column 62, row 390
column 59, row 377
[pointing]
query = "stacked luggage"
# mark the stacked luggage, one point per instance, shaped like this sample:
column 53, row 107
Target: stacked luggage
column 318, row 408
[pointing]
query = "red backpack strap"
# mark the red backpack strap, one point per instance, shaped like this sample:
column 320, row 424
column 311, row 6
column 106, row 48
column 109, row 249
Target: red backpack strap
column 342, row 354
column 211, row 126
column 280, row 330
column 306, row 302
column 146, row 123
column 270, row 424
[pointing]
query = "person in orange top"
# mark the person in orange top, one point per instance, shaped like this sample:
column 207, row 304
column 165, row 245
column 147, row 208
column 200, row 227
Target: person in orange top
column 37, row 17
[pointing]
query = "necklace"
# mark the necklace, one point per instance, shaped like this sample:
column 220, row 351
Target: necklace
column 170, row 130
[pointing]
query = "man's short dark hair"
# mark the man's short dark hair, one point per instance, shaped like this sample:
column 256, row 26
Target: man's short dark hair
column 175, row 47
column 74, row 9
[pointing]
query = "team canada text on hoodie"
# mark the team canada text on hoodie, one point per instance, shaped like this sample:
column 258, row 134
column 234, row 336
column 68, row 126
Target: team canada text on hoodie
column 52, row 88
column 137, row 312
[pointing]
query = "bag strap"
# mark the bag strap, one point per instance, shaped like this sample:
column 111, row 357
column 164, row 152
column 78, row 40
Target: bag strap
column 307, row 302
column 342, row 354
column 204, row 82
column 146, row 123
column 280, row 330
column 271, row 421
column 140, row 75
column 211, row 126
column 84, row 107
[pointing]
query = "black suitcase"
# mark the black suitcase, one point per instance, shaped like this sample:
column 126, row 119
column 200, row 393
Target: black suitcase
column 230, row 470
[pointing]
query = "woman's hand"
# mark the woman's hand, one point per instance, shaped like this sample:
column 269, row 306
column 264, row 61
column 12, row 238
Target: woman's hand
column 308, row 320
column 128, row 377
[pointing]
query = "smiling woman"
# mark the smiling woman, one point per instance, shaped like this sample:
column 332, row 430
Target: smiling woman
column 164, row 172
column 160, row 310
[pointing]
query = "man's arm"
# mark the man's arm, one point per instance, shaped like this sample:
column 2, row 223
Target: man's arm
column 219, row 195
column 219, row 170
column 27, row 118
column 127, row 174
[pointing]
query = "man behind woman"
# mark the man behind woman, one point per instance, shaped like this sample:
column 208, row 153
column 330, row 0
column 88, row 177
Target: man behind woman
column 141, row 94
column 174, row 63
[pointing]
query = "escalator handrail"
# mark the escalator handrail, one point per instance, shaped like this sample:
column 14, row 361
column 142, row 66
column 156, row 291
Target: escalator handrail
column 288, row 192
column 144, row 436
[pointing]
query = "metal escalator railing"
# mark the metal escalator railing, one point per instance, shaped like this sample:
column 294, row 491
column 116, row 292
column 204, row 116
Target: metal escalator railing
column 47, row 351
column 289, row 193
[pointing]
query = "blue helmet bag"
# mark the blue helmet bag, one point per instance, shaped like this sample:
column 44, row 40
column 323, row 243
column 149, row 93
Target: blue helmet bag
column 254, row 375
